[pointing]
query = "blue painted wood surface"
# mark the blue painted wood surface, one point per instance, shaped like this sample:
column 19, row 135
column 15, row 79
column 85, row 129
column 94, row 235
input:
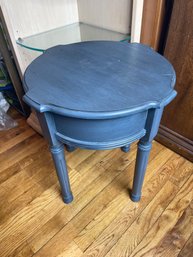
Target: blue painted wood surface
column 101, row 77
column 99, row 95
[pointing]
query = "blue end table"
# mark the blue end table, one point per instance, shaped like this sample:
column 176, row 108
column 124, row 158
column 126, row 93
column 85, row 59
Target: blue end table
column 99, row 95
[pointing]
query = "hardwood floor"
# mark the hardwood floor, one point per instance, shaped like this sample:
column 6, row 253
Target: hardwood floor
column 102, row 220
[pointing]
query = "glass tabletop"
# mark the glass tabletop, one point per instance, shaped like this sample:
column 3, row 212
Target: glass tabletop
column 76, row 32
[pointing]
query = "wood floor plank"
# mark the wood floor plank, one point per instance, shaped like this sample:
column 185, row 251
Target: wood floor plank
column 16, row 140
column 166, row 222
column 82, row 200
column 75, row 159
column 120, row 163
column 20, row 151
column 60, row 245
column 33, row 172
column 35, row 242
column 15, row 186
column 102, row 220
column 44, row 234
column 95, row 227
column 11, row 209
column 22, row 225
column 158, row 162
column 175, row 239
column 25, row 162
column 139, row 228
column 26, row 192
column 118, row 190
column 87, row 176
column 72, row 251
column 187, row 250
column 94, row 159
column 182, row 174
column 11, row 133
column 110, row 167
column 49, row 230
column 23, row 250
column 109, row 237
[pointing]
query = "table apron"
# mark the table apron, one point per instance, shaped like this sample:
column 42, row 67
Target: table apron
column 100, row 133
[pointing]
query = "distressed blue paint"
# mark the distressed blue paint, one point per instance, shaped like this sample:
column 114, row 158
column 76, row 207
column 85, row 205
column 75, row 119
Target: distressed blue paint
column 99, row 95
column 70, row 148
column 109, row 79
column 94, row 145
column 144, row 147
column 98, row 130
column 57, row 151
column 62, row 173
column 125, row 148
column 140, row 167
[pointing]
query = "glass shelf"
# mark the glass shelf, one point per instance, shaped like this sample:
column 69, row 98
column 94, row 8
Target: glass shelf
column 76, row 32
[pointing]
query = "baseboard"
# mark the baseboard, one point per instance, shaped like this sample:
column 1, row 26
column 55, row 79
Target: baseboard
column 175, row 142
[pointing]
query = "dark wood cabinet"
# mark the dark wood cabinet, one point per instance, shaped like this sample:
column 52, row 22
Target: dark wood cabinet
column 176, row 130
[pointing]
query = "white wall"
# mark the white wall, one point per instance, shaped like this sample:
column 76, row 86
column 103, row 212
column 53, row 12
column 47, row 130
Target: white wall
column 110, row 14
column 30, row 17
column 137, row 14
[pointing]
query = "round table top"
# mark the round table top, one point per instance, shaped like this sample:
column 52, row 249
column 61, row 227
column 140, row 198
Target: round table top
column 99, row 78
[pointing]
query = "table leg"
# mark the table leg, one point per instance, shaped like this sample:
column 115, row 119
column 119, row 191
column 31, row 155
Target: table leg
column 144, row 147
column 70, row 148
column 62, row 172
column 140, row 168
column 57, row 150
column 125, row 148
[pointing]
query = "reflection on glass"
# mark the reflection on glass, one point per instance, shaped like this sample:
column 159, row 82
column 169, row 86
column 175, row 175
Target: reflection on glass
column 76, row 32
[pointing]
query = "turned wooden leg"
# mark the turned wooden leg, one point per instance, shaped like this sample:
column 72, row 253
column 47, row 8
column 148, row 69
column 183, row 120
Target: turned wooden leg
column 125, row 148
column 57, row 150
column 144, row 147
column 62, row 172
column 140, row 168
